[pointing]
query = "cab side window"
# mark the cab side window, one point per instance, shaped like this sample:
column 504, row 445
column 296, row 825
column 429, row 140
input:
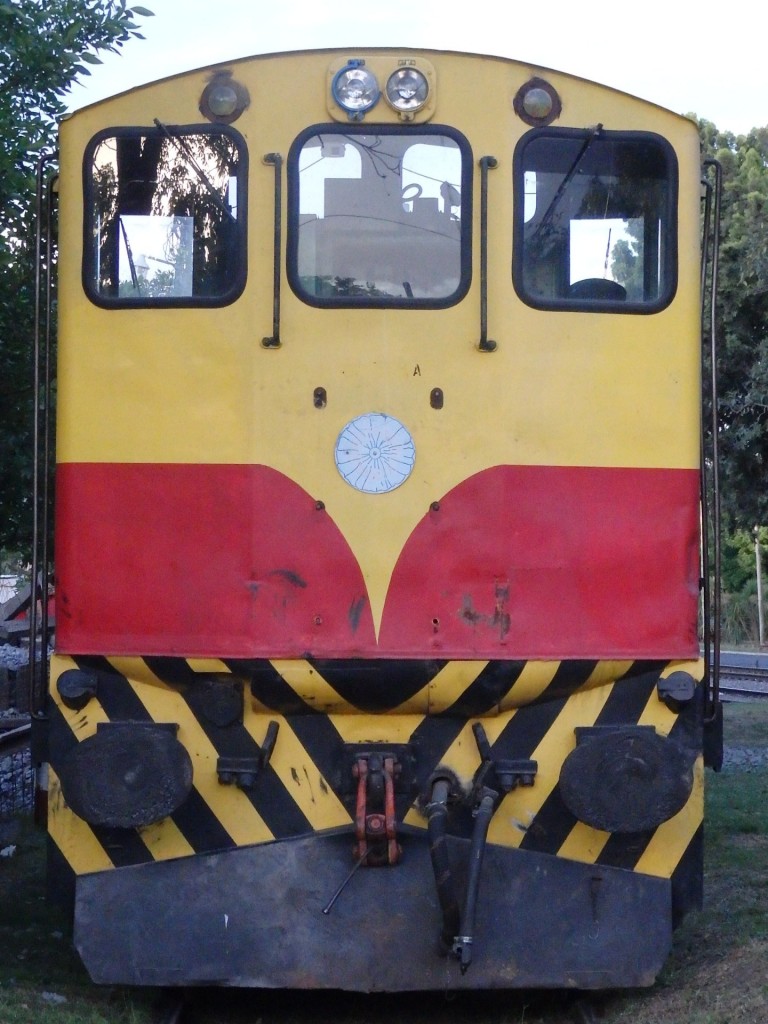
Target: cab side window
column 165, row 216
column 595, row 220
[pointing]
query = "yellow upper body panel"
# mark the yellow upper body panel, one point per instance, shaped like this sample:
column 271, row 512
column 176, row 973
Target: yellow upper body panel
column 158, row 377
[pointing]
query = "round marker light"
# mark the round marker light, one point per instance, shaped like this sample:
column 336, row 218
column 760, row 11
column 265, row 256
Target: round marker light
column 223, row 99
column 537, row 103
column 355, row 89
column 407, row 90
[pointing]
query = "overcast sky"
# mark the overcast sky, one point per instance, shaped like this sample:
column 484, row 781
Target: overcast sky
column 673, row 52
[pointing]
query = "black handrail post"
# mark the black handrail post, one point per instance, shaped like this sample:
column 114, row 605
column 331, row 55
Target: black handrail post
column 276, row 160
column 486, row 163
column 712, row 606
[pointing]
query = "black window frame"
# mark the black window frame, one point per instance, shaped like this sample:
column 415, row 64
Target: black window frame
column 373, row 302
column 668, row 289
column 239, row 278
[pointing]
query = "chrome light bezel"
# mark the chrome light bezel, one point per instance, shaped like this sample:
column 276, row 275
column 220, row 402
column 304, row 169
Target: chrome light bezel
column 354, row 75
column 421, row 90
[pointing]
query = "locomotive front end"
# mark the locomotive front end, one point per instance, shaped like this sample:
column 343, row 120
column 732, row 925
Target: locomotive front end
column 377, row 528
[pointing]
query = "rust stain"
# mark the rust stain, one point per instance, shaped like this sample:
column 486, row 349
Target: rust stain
column 468, row 613
column 355, row 611
column 288, row 575
column 56, row 800
column 501, row 616
column 309, row 783
column 499, row 621
column 276, row 589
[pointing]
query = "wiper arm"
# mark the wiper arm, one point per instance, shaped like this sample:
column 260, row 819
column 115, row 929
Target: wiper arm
column 550, row 210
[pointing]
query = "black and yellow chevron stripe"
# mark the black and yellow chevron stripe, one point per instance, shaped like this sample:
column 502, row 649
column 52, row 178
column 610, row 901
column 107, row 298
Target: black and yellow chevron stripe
column 529, row 710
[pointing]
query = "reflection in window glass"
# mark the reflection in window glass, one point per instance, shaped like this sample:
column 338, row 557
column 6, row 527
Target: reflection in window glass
column 597, row 212
column 379, row 217
column 164, row 219
column 595, row 250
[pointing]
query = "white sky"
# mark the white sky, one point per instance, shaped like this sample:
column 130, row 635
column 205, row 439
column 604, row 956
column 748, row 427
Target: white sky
column 700, row 58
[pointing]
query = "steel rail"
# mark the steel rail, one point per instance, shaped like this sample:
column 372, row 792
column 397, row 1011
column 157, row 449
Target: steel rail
column 13, row 740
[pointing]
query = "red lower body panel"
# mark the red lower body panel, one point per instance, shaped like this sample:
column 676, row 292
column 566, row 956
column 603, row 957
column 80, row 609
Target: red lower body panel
column 234, row 561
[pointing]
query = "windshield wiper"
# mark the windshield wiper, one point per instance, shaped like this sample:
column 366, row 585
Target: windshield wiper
column 550, row 210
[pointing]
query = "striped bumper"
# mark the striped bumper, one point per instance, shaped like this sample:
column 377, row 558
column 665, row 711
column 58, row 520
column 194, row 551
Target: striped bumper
column 224, row 710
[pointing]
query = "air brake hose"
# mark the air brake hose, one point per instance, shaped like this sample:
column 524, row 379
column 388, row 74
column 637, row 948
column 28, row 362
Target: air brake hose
column 437, row 822
column 462, row 946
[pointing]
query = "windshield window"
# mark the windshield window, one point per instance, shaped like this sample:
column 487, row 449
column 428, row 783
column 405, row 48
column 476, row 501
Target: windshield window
column 165, row 217
column 379, row 219
column 595, row 220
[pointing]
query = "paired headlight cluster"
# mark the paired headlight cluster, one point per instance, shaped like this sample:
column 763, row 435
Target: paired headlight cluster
column 355, row 88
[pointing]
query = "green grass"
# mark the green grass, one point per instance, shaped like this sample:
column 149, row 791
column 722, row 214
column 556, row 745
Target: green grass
column 716, row 974
column 41, row 978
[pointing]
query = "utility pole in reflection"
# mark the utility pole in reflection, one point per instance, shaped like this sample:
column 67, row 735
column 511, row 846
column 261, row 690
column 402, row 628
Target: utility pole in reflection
column 759, row 574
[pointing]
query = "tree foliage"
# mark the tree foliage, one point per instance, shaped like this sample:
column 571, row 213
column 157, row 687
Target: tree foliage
column 742, row 303
column 740, row 618
column 45, row 46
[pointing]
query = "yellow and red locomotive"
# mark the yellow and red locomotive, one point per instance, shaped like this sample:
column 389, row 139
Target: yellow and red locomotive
column 377, row 527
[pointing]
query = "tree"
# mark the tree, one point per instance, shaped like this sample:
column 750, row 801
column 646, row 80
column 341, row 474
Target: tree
column 45, row 46
column 743, row 321
column 740, row 612
column 627, row 261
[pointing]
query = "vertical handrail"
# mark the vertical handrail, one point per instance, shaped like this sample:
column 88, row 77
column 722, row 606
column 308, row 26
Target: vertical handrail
column 45, row 471
column 276, row 160
column 706, row 592
column 713, row 606
column 486, row 163
column 38, row 678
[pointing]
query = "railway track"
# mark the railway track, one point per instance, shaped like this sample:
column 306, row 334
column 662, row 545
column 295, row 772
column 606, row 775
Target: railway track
column 740, row 687
column 743, row 675
column 14, row 736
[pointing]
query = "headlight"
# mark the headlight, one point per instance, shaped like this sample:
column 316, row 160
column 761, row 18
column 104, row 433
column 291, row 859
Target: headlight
column 407, row 90
column 355, row 89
